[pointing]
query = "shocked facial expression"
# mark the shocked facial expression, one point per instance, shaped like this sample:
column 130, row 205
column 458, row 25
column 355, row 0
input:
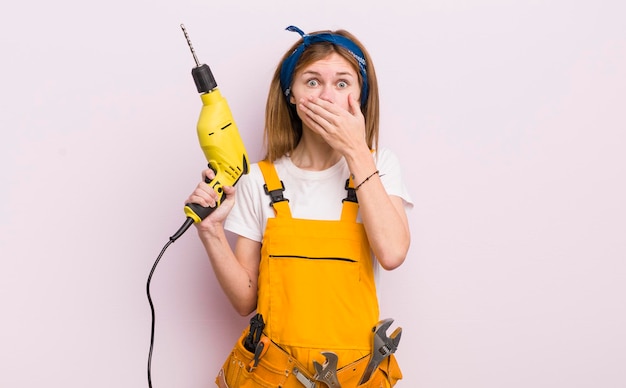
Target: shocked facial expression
column 332, row 79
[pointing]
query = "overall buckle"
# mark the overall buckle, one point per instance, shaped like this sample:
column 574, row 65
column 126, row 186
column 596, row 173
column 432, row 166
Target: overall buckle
column 276, row 195
column 351, row 197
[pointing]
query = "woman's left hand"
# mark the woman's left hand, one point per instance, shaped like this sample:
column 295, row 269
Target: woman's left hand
column 343, row 129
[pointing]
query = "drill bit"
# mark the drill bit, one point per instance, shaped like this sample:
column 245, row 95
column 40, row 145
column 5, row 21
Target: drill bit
column 193, row 52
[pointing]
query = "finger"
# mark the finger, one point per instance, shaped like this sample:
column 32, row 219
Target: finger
column 204, row 195
column 354, row 105
column 230, row 193
column 322, row 111
column 208, row 174
column 321, row 106
column 202, row 200
column 312, row 111
column 317, row 106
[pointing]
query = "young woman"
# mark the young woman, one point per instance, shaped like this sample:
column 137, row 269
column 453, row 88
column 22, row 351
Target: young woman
column 314, row 219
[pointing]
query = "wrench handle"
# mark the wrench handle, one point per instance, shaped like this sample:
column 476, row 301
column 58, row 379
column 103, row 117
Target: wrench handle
column 368, row 372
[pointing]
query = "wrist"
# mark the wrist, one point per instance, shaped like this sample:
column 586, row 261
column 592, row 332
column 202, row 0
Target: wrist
column 210, row 230
column 370, row 176
column 361, row 165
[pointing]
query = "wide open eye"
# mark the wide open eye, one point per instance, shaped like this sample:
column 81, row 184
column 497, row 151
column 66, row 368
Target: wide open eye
column 342, row 84
column 312, row 82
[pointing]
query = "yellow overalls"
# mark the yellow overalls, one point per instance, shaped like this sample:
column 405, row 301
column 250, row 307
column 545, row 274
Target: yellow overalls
column 316, row 293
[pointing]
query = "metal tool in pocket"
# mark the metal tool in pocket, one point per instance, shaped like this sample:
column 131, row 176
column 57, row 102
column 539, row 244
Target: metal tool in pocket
column 326, row 373
column 382, row 348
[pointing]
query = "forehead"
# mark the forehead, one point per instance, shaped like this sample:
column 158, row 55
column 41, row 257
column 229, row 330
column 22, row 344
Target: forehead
column 333, row 63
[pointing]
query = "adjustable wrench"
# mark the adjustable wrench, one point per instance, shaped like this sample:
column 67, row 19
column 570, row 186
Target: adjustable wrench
column 383, row 346
column 327, row 373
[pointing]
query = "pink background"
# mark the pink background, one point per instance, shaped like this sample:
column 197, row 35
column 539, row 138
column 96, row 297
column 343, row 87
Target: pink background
column 509, row 117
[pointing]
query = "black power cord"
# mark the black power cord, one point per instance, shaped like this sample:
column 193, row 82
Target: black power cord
column 188, row 222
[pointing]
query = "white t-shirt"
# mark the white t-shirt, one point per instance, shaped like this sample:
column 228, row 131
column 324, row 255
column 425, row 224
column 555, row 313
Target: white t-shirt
column 315, row 195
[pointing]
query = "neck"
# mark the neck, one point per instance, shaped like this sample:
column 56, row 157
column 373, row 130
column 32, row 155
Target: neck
column 313, row 153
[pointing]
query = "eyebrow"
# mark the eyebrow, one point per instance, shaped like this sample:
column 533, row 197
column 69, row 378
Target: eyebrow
column 340, row 73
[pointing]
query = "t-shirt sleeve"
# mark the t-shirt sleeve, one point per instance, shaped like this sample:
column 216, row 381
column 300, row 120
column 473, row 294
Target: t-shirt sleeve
column 391, row 177
column 246, row 218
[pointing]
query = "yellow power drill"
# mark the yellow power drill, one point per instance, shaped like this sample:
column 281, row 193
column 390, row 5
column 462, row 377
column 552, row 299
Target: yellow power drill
column 224, row 152
column 219, row 139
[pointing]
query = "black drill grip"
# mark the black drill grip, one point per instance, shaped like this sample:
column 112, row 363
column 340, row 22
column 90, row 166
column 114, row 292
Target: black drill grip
column 203, row 212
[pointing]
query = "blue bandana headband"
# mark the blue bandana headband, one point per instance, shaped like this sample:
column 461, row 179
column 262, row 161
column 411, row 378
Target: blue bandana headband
column 289, row 65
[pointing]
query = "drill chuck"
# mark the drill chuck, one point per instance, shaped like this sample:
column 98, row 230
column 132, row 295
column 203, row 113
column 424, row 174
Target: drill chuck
column 203, row 77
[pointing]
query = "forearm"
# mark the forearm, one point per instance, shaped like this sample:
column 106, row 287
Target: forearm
column 238, row 282
column 383, row 216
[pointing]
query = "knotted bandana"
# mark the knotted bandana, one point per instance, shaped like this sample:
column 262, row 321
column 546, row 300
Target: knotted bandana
column 288, row 67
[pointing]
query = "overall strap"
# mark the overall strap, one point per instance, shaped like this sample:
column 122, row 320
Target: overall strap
column 274, row 187
column 350, row 207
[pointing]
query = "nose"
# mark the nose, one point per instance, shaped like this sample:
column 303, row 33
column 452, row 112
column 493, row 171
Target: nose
column 327, row 93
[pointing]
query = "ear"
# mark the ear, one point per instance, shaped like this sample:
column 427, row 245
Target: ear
column 292, row 99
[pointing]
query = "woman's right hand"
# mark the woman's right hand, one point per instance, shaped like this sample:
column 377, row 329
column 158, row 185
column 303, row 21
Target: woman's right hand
column 204, row 195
